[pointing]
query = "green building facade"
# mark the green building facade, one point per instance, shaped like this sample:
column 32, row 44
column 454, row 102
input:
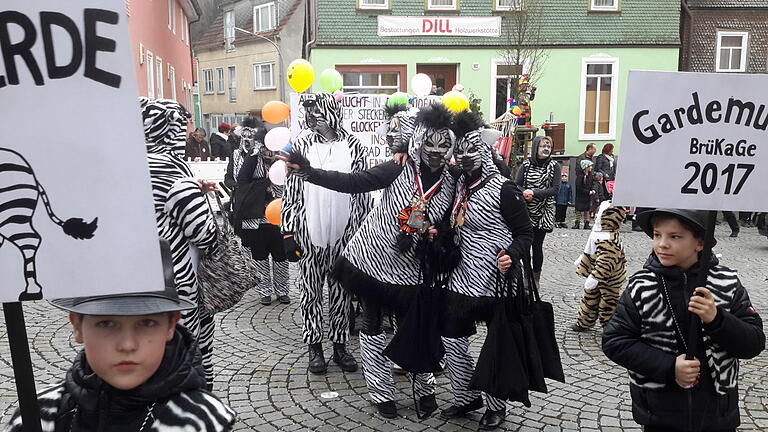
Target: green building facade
column 589, row 46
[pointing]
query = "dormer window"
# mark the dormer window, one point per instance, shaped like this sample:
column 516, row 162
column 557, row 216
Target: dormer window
column 442, row 4
column 373, row 4
column 604, row 5
column 264, row 18
column 229, row 30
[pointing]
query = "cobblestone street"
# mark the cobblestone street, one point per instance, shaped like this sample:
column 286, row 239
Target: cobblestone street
column 261, row 360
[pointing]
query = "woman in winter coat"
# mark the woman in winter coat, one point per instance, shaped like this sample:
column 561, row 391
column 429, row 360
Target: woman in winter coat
column 538, row 177
column 605, row 163
column 584, row 192
column 182, row 214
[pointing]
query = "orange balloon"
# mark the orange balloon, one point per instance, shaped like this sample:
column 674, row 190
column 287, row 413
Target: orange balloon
column 272, row 213
column 275, row 112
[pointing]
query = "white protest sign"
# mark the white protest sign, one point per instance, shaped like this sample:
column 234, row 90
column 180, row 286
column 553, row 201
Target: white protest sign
column 362, row 116
column 76, row 210
column 694, row 141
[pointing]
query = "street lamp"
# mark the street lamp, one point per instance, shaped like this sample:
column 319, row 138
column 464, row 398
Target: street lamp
column 279, row 58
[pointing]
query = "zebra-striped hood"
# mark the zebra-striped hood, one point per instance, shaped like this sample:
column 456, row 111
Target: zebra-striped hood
column 431, row 121
column 327, row 104
column 165, row 123
column 467, row 126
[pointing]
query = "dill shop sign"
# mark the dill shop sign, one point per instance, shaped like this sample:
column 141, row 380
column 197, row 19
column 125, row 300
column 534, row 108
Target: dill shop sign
column 694, row 140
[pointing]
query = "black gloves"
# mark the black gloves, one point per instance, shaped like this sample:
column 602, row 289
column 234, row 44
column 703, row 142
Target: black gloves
column 292, row 249
column 304, row 167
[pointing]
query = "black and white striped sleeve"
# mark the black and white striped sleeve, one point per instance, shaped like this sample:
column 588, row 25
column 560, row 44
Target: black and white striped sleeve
column 187, row 206
column 293, row 194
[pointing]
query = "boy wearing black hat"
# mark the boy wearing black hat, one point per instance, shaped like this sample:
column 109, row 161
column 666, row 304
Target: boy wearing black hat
column 648, row 333
column 138, row 371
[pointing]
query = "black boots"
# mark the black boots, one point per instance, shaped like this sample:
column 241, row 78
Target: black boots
column 343, row 358
column 493, row 419
column 427, row 405
column 454, row 411
column 317, row 364
column 387, row 409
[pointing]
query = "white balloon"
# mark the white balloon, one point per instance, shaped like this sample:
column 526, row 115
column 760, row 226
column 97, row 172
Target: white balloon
column 277, row 138
column 277, row 173
column 421, row 84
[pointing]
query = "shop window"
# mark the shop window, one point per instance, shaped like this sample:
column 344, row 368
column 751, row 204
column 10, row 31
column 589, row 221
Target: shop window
column 731, row 51
column 441, row 4
column 371, row 82
column 208, row 81
column 263, row 76
column 264, row 18
column 599, row 98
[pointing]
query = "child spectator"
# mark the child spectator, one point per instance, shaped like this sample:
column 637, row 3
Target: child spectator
column 138, row 371
column 563, row 200
column 603, row 263
column 648, row 333
column 601, row 193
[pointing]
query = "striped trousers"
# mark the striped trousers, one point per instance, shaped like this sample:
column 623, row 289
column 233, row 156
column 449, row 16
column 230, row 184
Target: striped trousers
column 461, row 366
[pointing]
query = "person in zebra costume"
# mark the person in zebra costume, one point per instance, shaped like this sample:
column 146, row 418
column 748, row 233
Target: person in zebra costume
column 250, row 166
column 182, row 214
column 649, row 332
column 604, row 264
column 318, row 224
column 490, row 220
column 381, row 264
column 539, row 179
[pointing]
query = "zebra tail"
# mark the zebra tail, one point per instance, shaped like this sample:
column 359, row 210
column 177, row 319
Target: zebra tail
column 79, row 229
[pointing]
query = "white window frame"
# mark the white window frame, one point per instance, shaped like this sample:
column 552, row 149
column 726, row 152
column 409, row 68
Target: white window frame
column 183, row 19
column 150, row 64
column 232, row 84
column 357, row 88
column 173, row 26
column 257, row 10
column 220, row 81
column 172, row 79
column 744, row 48
column 208, row 73
column 257, row 84
column 361, row 5
column 519, row 7
column 507, row 60
column 170, row 14
column 599, row 59
column 594, row 7
column 453, row 6
column 160, row 91
column 186, row 28
column 229, row 30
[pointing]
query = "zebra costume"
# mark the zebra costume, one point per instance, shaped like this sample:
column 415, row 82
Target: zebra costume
column 322, row 222
column 649, row 330
column 603, row 263
column 263, row 238
column 541, row 174
column 488, row 216
column 380, row 265
column 182, row 213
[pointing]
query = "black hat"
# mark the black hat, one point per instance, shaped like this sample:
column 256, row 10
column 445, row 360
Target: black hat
column 131, row 304
column 696, row 217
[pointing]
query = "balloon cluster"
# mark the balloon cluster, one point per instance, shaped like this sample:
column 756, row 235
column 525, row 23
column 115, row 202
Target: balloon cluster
column 301, row 75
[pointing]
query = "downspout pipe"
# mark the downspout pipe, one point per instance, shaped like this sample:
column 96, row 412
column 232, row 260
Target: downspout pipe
column 312, row 17
column 685, row 54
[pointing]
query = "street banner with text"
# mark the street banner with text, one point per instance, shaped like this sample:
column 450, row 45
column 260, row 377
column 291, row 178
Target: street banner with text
column 694, row 141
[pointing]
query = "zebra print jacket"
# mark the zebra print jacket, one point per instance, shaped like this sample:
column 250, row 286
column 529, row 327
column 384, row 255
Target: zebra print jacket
column 173, row 399
column 646, row 335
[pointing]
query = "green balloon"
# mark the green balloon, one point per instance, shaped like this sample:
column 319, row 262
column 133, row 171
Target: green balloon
column 330, row 80
column 398, row 98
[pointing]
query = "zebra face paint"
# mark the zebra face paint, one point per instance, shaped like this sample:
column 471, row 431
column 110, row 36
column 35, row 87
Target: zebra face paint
column 436, row 148
column 468, row 156
column 545, row 149
column 247, row 135
column 317, row 122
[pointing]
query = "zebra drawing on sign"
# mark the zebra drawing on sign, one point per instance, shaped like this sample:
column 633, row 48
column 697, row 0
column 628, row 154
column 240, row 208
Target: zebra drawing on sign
column 19, row 194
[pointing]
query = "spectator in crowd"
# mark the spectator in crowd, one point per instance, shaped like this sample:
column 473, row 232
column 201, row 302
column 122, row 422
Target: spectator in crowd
column 197, row 147
column 579, row 171
column 605, row 163
column 220, row 147
column 601, row 192
column 563, row 200
column 584, row 192
column 649, row 334
column 730, row 218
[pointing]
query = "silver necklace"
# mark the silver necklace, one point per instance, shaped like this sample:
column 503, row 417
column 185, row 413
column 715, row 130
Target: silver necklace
column 672, row 311
column 327, row 155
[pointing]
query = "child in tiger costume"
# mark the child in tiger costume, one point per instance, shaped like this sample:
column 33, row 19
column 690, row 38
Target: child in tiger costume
column 603, row 263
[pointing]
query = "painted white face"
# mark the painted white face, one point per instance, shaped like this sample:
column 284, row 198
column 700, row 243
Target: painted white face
column 436, row 148
column 248, row 135
column 545, row 149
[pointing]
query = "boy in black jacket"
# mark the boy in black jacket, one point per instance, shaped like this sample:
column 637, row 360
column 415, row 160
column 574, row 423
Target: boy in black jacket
column 648, row 333
column 138, row 371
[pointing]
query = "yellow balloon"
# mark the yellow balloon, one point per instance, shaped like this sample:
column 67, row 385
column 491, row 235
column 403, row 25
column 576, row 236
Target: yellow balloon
column 300, row 75
column 455, row 101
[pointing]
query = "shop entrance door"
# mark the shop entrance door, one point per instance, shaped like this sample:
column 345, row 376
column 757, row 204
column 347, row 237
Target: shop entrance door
column 443, row 76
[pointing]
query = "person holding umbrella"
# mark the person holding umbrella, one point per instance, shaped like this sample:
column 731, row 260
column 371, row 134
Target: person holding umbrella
column 648, row 334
